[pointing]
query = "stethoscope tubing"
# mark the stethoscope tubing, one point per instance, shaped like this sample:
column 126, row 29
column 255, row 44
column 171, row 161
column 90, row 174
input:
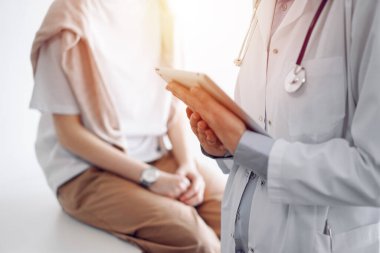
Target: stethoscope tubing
column 310, row 32
column 248, row 36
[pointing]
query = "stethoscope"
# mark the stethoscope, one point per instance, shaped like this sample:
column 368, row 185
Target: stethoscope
column 297, row 77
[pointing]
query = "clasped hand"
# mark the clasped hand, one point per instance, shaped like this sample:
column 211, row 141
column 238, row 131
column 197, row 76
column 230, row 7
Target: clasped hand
column 217, row 129
column 186, row 185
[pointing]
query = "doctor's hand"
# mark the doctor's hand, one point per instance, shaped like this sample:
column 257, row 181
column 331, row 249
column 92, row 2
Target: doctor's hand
column 206, row 136
column 225, row 125
column 194, row 194
column 170, row 185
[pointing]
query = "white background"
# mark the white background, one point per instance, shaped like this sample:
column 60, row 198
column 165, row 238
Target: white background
column 212, row 33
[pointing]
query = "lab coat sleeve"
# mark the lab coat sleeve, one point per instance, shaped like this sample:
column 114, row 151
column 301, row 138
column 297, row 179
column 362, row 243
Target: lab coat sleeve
column 253, row 152
column 340, row 172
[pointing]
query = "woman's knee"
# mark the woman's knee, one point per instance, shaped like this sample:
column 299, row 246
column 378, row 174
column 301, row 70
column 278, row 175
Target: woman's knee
column 182, row 232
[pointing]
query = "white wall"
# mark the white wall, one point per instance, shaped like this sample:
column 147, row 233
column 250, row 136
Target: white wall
column 19, row 19
column 213, row 31
column 22, row 185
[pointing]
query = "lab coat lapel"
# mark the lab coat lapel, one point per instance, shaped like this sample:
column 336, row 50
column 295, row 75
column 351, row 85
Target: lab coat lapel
column 265, row 17
column 299, row 8
column 266, row 11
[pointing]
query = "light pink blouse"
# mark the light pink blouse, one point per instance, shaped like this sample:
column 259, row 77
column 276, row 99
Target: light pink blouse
column 281, row 9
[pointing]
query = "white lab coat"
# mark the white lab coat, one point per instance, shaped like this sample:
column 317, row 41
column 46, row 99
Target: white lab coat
column 325, row 163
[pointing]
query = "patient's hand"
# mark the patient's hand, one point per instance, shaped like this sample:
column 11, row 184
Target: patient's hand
column 170, row 185
column 194, row 195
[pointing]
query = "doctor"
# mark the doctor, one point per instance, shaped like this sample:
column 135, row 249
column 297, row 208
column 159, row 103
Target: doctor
column 310, row 75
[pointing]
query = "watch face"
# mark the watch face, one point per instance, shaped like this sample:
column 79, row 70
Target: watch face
column 151, row 175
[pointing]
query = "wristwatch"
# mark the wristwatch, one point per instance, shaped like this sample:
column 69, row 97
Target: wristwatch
column 149, row 176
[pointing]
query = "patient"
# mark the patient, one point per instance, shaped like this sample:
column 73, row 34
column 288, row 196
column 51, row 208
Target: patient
column 104, row 117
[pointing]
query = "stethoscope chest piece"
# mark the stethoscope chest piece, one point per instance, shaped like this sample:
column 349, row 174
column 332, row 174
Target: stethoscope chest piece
column 295, row 79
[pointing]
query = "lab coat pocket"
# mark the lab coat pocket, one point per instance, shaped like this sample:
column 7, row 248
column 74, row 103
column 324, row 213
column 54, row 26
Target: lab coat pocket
column 364, row 239
column 322, row 243
column 317, row 110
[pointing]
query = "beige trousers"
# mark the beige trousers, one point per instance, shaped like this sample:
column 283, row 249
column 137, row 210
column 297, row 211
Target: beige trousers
column 154, row 223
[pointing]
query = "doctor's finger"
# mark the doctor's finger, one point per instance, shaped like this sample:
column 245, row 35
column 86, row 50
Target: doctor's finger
column 195, row 130
column 203, row 102
column 202, row 125
column 194, row 119
column 195, row 98
column 198, row 100
column 194, row 125
column 207, row 132
column 211, row 137
column 189, row 112
column 180, row 92
column 202, row 138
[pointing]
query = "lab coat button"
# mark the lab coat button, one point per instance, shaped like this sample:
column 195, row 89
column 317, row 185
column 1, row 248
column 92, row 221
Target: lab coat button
column 251, row 250
column 275, row 51
column 261, row 118
column 270, row 122
column 262, row 182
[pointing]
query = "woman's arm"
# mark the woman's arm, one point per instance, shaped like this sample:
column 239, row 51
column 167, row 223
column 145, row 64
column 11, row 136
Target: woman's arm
column 77, row 139
column 177, row 137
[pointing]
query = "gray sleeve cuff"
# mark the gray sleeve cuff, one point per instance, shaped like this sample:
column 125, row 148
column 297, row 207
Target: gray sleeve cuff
column 253, row 152
column 225, row 165
column 226, row 156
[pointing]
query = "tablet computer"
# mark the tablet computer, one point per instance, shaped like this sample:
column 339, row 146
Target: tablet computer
column 191, row 79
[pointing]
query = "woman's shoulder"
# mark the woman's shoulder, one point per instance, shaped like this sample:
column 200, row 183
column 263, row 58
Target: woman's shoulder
column 69, row 15
column 69, row 10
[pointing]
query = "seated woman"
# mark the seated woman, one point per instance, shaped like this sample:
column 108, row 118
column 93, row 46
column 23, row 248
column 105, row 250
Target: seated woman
column 104, row 115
